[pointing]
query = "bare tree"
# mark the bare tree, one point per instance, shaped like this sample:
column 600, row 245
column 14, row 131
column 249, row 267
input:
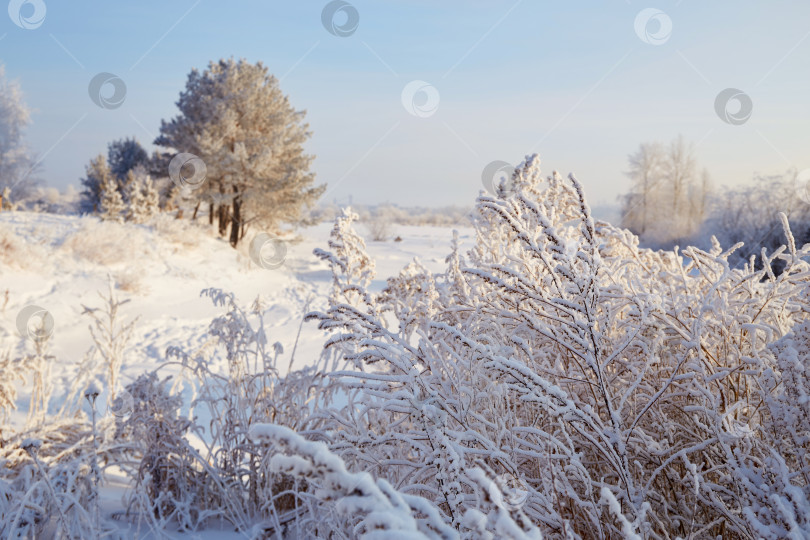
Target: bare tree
column 17, row 164
column 646, row 172
column 667, row 199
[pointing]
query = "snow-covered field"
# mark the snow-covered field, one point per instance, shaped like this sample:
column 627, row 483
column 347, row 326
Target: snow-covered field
column 64, row 262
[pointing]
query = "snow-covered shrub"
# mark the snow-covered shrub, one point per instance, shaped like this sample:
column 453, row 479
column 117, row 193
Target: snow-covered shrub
column 629, row 391
column 777, row 480
column 130, row 281
column 750, row 214
column 164, row 467
column 48, row 486
column 107, row 243
column 19, row 252
column 379, row 228
column 376, row 508
column 182, row 232
column 111, row 338
column 223, row 476
column 47, row 466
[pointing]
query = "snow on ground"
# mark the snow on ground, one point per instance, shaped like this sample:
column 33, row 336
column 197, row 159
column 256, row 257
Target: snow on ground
column 61, row 263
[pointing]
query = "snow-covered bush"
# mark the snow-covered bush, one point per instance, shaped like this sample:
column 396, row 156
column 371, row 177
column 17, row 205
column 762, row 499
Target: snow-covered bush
column 47, row 485
column 111, row 337
column 379, row 510
column 182, row 232
column 223, row 475
column 750, row 214
column 379, row 228
column 49, row 466
column 106, row 243
column 131, row 281
column 163, row 466
column 17, row 251
column 630, row 392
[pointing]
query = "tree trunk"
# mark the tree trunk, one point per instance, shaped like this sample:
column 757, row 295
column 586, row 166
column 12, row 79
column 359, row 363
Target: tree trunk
column 223, row 219
column 194, row 217
column 236, row 221
column 211, row 213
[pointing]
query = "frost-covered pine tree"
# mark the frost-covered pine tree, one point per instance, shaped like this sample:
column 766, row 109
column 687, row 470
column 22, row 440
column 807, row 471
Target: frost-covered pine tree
column 97, row 172
column 235, row 118
column 151, row 198
column 125, row 155
column 136, row 208
column 111, row 203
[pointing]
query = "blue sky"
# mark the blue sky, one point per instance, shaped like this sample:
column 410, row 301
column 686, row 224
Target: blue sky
column 572, row 81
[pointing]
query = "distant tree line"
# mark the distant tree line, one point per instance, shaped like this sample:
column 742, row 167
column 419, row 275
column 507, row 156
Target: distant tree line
column 672, row 201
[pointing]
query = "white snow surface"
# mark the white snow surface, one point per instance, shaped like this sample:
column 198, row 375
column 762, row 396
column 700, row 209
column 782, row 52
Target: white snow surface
column 68, row 260
column 62, row 263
